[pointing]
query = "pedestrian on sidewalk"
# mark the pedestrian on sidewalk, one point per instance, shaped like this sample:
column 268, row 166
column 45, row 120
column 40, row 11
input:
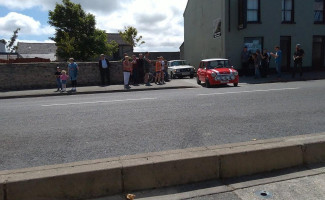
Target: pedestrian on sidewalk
column 278, row 60
column 256, row 64
column 135, row 71
column 127, row 69
column 163, row 68
column 63, row 79
column 147, row 65
column 244, row 57
column 58, row 81
column 140, row 65
column 104, row 66
column 264, row 64
column 158, row 71
column 297, row 58
column 73, row 74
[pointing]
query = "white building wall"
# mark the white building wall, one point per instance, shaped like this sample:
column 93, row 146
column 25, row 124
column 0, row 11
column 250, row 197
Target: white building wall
column 199, row 42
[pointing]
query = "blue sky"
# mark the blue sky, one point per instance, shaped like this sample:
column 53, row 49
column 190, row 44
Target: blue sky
column 152, row 18
column 36, row 13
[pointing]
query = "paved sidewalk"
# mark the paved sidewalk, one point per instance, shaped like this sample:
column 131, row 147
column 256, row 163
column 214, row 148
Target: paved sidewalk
column 286, row 77
column 173, row 84
column 290, row 184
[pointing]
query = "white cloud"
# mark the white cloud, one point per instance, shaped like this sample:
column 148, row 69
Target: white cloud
column 160, row 22
column 27, row 25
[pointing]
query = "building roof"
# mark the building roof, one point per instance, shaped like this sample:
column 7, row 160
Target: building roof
column 117, row 38
column 36, row 48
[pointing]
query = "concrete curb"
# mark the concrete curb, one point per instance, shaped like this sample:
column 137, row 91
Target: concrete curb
column 93, row 92
column 96, row 178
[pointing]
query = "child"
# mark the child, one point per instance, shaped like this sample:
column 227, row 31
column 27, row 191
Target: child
column 64, row 78
column 57, row 76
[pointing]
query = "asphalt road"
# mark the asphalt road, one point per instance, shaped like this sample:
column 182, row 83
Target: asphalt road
column 53, row 130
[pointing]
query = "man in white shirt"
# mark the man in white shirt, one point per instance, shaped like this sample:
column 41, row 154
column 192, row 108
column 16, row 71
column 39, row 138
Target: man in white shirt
column 104, row 70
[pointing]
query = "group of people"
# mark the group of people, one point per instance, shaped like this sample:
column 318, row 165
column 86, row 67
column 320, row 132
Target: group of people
column 62, row 77
column 261, row 61
column 135, row 70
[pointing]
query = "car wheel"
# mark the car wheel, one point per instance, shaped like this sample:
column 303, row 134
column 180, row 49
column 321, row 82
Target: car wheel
column 192, row 76
column 235, row 84
column 207, row 83
column 198, row 80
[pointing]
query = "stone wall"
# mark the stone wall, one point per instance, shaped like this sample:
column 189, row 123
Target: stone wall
column 41, row 75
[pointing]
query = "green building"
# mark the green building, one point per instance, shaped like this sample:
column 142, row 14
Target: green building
column 221, row 28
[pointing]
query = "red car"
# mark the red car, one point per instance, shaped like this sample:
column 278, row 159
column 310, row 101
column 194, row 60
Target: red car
column 216, row 71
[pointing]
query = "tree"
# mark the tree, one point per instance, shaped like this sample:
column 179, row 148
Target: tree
column 76, row 35
column 10, row 44
column 129, row 35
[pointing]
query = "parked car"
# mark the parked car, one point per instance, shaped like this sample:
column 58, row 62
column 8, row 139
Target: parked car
column 217, row 71
column 179, row 69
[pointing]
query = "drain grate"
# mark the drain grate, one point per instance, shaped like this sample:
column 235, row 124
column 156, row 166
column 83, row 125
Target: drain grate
column 264, row 194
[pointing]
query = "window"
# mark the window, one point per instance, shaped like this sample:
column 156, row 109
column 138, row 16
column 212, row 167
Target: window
column 319, row 11
column 253, row 43
column 287, row 11
column 253, row 11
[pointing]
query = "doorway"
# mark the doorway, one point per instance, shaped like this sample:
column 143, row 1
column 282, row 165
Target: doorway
column 285, row 46
column 319, row 52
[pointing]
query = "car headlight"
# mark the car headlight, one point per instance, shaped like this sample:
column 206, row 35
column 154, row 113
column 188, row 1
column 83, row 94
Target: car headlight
column 235, row 73
column 213, row 74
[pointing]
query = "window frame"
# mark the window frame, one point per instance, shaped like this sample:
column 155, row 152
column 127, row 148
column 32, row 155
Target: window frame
column 258, row 13
column 284, row 10
column 323, row 20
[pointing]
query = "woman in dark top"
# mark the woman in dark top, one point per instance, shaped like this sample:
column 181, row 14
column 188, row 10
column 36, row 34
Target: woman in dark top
column 265, row 60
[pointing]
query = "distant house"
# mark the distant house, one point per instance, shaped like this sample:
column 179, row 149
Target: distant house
column 39, row 50
column 123, row 47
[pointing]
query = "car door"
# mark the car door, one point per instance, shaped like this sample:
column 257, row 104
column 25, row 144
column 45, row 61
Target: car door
column 203, row 71
column 199, row 71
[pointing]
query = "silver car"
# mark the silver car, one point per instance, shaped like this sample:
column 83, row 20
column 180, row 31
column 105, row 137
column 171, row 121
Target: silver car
column 179, row 69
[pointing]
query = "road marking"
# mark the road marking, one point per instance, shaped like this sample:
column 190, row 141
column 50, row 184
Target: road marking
column 252, row 91
column 97, row 102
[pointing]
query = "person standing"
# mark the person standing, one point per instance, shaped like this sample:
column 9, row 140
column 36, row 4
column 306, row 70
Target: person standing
column 256, row 60
column 104, row 65
column 135, row 71
column 245, row 61
column 147, row 64
column 163, row 68
column 58, row 81
column 73, row 74
column 127, row 69
column 158, row 71
column 297, row 58
column 264, row 63
column 64, row 79
column 278, row 60
column 140, row 65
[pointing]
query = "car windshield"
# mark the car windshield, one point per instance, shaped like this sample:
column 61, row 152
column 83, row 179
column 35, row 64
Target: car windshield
column 177, row 63
column 218, row 64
